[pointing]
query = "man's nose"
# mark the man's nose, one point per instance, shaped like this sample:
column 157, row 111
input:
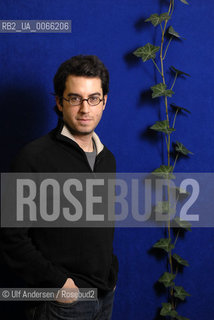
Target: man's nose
column 84, row 107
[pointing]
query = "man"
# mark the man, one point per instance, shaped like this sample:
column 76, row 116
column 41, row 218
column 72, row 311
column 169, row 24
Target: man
column 63, row 257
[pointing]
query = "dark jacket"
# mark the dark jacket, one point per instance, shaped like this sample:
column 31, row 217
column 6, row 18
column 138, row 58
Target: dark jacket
column 46, row 257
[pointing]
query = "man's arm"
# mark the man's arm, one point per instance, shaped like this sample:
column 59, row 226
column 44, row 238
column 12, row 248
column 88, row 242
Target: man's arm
column 21, row 255
column 18, row 250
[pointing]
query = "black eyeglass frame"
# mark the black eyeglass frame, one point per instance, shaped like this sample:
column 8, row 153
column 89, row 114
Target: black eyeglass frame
column 75, row 105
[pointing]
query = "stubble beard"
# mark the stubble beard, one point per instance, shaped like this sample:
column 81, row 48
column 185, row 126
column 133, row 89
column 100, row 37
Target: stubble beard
column 76, row 132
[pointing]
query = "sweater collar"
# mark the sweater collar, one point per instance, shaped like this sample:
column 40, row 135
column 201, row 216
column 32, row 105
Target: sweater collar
column 65, row 132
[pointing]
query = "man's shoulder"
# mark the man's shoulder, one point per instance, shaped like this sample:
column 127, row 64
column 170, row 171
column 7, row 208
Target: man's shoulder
column 38, row 145
column 109, row 163
column 108, row 153
column 32, row 152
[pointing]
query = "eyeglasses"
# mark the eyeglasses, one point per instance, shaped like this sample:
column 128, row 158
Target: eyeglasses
column 77, row 100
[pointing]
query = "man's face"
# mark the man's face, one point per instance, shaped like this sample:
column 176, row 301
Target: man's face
column 84, row 118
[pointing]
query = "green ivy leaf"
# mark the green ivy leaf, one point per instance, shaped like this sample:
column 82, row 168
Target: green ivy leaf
column 160, row 90
column 184, row 1
column 181, row 195
column 146, row 52
column 164, row 244
column 182, row 149
column 180, row 191
column 183, row 224
column 178, row 72
column 167, row 279
column 174, row 106
column 167, row 310
column 180, row 293
column 180, row 260
column 162, row 126
column 173, row 33
column 164, row 207
column 156, row 19
column 164, row 172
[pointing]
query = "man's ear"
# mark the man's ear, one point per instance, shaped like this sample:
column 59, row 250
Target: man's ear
column 59, row 103
column 104, row 101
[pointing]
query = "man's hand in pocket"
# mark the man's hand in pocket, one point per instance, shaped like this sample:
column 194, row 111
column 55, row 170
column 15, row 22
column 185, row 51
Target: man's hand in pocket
column 68, row 293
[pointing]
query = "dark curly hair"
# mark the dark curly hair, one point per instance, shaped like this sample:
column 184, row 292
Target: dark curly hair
column 82, row 65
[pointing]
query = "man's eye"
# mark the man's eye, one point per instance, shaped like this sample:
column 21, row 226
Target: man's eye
column 75, row 99
column 94, row 98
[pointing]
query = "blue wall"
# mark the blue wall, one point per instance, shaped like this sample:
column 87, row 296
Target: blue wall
column 112, row 30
